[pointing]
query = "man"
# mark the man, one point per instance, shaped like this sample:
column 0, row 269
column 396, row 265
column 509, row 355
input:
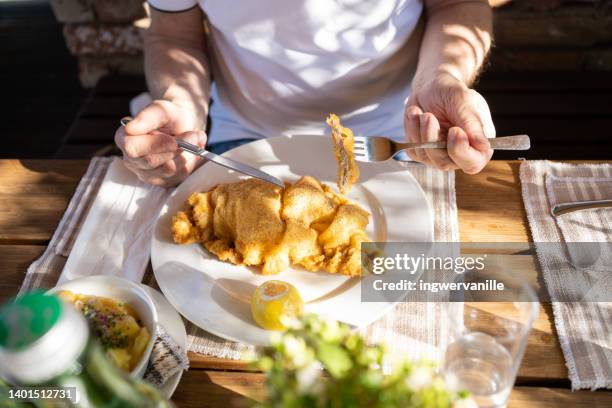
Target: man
column 398, row 68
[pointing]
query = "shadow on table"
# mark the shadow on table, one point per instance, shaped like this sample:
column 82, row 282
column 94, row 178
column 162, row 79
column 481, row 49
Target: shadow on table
column 200, row 388
column 57, row 170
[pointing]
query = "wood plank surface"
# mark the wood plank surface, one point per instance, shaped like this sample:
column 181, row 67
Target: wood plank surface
column 34, row 195
column 490, row 204
column 14, row 261
column 218, row 388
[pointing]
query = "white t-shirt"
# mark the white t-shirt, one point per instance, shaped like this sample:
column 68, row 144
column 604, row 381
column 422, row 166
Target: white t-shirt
column 280, row 66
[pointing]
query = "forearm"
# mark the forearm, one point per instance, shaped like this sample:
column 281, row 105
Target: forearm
column 456, row 41
column 177, row 70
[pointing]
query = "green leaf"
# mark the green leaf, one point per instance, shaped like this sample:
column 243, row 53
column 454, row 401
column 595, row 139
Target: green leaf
column 335, row 359
column 265, row 364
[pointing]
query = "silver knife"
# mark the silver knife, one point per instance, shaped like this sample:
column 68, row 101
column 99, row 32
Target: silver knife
column 222, row 161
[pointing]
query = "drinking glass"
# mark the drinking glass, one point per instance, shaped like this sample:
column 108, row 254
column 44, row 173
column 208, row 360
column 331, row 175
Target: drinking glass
column 486, row 343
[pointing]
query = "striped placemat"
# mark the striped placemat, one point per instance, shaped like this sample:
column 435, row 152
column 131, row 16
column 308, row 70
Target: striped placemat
column 584, row 328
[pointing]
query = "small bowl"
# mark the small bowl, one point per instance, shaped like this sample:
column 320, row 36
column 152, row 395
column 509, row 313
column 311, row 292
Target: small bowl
column 124, row 291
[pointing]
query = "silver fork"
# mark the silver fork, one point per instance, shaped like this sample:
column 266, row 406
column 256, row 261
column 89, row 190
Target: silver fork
column 380, row 148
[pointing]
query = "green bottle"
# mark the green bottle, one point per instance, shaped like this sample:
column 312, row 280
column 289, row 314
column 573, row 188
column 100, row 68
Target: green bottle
column 45, row 345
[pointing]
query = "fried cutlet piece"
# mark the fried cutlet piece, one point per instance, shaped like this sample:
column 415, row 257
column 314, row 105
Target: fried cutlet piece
column 348, row 221
column 306, row 202
column 252, row 222
column 299, row 245
column 246, row 216
column 183, row 230
column 193, row 226
column 344, row 141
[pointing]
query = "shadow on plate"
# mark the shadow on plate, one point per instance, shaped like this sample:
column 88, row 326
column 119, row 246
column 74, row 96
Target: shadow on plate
column 297, row 153
column 233, row 296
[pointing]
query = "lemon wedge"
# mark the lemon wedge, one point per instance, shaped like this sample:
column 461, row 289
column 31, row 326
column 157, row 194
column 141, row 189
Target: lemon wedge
column 274, row 303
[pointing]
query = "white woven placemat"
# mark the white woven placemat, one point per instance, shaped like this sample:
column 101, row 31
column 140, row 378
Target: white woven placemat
column 584, row 328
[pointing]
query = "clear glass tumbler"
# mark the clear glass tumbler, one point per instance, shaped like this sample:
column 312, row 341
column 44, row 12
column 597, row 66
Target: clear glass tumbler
column 485, row 344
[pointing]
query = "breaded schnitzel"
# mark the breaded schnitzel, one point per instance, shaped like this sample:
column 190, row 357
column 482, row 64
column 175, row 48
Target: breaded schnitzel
column 251, row 222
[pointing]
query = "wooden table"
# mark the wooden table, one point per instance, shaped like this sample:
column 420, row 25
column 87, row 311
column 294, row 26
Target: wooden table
column 34, row 194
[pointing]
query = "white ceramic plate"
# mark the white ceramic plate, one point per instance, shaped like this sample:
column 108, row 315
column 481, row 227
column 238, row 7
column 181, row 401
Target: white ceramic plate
column 214, row 295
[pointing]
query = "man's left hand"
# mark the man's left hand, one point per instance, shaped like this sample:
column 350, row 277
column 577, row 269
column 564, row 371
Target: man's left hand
column 447, row 104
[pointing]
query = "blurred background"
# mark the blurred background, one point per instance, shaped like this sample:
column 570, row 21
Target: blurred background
column 70, row 67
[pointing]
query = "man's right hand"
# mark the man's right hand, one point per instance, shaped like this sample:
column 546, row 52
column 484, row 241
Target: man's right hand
column 149, row 146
